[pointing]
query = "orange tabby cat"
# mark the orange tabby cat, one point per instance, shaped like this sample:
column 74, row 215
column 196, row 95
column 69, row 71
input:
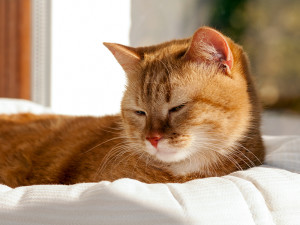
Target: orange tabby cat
column 189, row 111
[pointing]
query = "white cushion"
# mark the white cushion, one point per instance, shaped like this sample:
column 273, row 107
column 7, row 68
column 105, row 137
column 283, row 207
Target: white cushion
column 11, row 106
column 283, row 152
column 255, row 196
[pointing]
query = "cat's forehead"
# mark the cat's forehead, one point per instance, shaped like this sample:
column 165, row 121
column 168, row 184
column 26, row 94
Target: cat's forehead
column 155, row 83
column 162, row 66
column 165, row 51
column 166, row 78
column 161, row 83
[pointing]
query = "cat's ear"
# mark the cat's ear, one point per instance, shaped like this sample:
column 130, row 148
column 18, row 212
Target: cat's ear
column 127, row 57
column 210, row 45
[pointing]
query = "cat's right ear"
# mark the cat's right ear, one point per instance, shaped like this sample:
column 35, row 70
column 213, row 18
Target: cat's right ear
column 127, row 57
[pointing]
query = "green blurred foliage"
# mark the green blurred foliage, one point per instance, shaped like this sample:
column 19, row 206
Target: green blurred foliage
column 228, row 17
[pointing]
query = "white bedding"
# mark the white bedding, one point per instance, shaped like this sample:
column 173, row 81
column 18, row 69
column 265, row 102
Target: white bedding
column 261, row 195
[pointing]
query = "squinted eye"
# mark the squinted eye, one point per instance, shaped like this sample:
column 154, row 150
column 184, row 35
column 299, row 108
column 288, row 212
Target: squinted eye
column 177, row 108
column 140, row 113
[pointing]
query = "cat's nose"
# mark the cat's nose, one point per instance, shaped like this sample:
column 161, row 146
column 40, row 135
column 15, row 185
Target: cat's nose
column 154, row 138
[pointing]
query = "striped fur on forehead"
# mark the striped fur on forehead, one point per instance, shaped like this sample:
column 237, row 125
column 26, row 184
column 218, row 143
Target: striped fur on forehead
column 155, row 81
column 158, row 64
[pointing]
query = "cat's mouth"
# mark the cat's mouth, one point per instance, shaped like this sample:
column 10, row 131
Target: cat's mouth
column 166, row 153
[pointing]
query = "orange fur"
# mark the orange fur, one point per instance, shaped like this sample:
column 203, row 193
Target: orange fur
column 205, row 111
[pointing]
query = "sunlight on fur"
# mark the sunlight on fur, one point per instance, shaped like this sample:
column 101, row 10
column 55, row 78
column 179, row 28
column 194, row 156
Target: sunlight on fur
column 190, row 110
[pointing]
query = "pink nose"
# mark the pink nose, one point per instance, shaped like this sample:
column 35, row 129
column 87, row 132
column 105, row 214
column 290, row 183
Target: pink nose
column 153, row 139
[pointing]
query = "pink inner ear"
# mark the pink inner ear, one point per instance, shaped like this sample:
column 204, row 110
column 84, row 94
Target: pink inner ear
column 211, row 37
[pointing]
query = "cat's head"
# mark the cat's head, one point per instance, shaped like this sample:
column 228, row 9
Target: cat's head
column 185, row 98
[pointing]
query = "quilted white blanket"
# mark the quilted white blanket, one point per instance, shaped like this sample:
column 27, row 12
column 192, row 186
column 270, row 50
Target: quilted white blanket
column 263, row 195
column 256, row 196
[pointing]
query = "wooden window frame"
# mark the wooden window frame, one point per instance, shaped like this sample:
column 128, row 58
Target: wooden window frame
column 15, row 49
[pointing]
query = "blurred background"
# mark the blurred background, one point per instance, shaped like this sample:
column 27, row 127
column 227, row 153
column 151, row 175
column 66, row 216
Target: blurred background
column 51, row 51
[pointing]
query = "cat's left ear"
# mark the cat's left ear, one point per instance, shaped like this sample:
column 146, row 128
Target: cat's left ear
column 127, row 57
column 210, row 45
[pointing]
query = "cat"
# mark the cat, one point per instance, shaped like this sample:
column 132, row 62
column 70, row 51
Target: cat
column 190, row 110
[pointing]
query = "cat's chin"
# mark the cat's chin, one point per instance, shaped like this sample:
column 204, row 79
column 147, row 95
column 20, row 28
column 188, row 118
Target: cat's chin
column 165, row 153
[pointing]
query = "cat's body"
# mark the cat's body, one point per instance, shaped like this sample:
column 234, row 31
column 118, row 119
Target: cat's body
column 189, row 111
column 61, row 149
